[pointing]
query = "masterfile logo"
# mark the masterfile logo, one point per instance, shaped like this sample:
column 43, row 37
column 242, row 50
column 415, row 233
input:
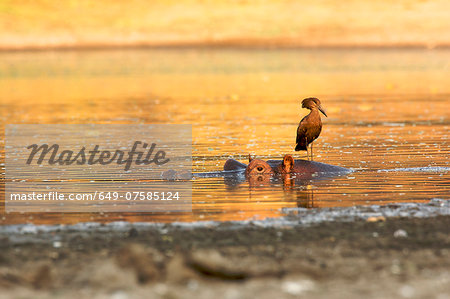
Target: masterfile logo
column 52, row 155
column 77, row 168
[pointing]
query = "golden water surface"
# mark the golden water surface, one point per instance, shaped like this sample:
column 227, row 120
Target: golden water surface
column 388, row 118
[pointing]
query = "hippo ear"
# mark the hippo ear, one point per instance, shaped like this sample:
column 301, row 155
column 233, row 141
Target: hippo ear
column 249, row 158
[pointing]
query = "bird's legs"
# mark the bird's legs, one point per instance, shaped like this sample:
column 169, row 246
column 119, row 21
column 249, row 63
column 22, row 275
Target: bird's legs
column 312, row 155
column 307, row 152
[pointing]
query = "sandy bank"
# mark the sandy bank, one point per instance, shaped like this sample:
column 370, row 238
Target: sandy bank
column 267, row 23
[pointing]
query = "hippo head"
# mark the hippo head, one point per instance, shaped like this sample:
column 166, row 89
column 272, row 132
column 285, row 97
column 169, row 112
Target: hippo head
column 258, row 167
column 288, row 164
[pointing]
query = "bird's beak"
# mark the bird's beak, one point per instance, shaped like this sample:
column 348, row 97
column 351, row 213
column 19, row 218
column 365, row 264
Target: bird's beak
column 322, row 110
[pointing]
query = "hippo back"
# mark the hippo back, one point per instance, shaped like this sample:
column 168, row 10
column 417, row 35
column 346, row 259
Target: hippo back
column 304, row 166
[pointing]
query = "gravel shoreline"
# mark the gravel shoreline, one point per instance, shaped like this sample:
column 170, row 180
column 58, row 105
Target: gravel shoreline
column 396, row 251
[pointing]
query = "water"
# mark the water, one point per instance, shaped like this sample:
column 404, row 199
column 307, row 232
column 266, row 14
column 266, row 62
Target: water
column 388, row 118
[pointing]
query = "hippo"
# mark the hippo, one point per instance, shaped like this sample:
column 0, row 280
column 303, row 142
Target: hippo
column 286, row 166
column 258, row 167
column 287, row 171
column 262, row 171
column 289, row 174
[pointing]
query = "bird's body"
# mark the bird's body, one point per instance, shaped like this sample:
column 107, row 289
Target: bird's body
column 310, row 126
column 308, row 130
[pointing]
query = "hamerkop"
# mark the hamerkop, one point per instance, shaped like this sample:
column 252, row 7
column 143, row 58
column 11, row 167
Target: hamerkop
column 310, row 126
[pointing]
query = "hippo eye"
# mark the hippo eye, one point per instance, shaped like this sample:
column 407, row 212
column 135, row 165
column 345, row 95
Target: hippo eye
column 260, row 168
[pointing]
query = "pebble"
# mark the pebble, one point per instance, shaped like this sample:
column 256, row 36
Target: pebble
column 437, row 202
column 192, row 284
column 400, row 233
column 407, row 291
column 298, row 287
column 29, row 229
column 119, row 295
column 57, row 244
column 161, row 289
column 376, row 218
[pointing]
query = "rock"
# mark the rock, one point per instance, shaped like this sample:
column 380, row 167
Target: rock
column 132, row 233
column 169, row 175
column 136, row 258
column 172, row 175
column 42, row 277
column 184, row 175
column 178, row 271
column 232, row 266
column 212, row 263
column 9, row 278
column 106, row 275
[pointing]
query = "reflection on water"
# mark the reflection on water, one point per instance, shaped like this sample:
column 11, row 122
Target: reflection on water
column 388, row 109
